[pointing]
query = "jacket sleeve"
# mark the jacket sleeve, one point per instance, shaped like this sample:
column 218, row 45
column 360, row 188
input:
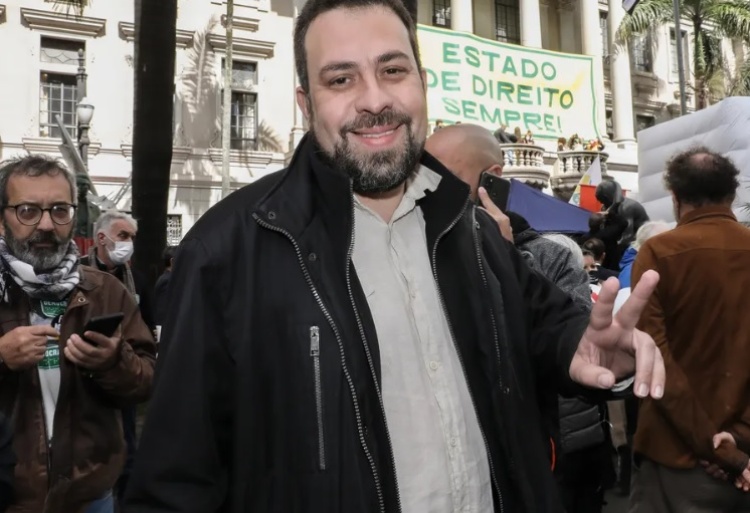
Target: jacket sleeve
column 573, row 280
column 130, row 380
column 679, row 405
column 182, row 462
column 554, row 323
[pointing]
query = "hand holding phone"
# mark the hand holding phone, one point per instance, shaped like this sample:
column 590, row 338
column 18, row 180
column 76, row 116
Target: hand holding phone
column 104, row 324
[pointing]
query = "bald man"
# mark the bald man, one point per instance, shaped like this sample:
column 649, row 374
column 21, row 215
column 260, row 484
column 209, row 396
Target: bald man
column 468, row 151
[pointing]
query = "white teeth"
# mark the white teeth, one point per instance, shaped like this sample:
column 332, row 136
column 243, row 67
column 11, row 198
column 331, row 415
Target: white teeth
column 375, row 136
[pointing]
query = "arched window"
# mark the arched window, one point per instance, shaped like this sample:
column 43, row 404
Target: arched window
column 507, row 22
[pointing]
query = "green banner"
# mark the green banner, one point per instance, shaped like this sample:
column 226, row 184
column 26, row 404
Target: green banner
column 476, row 80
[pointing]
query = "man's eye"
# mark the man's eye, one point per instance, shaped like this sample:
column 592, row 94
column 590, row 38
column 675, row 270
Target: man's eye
column 394, row 71
column 339, row 81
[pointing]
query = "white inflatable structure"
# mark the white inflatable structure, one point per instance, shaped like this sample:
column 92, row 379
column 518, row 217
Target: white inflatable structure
column 723, row 128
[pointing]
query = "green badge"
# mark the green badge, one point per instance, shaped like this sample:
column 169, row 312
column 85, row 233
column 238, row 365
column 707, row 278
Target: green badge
column 51, row 309
column 51, row 358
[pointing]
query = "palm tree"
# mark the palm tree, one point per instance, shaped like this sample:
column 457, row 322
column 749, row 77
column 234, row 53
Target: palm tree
column 155, row 37
column 711, row 20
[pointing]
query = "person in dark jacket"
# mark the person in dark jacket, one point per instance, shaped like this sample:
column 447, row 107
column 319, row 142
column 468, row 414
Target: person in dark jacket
column 302, row 303
column 7, row 463
column 597, row 249
column 115, row 234
column 161, row 302
column 609, row 194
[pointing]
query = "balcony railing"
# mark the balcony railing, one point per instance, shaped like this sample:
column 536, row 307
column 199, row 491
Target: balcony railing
column 570, row 167
column 525, row 162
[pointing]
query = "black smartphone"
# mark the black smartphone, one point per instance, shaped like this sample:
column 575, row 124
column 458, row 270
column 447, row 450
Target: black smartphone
column 105, row 324
column 498, row 189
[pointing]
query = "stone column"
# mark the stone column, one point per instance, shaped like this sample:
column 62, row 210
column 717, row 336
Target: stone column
column 298, row 128
column 462, row 16
column 619, row 79
column 531, row 24
column 591, row 45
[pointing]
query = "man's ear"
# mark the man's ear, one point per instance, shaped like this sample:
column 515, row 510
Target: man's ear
column 303, row 102
column 495, row 169
column 100, row 239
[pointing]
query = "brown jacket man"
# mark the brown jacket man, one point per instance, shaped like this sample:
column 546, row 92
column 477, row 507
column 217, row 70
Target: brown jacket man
column 63, row 393
column 697, row 318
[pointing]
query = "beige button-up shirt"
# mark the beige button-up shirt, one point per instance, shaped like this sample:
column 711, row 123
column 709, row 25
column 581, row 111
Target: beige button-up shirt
column 441, row 459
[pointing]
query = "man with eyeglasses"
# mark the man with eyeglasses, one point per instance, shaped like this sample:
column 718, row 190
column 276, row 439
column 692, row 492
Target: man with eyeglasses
column 62, row 386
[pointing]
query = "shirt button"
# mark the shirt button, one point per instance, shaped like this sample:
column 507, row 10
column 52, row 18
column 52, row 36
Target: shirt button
column 434, row 365
column 454, row 441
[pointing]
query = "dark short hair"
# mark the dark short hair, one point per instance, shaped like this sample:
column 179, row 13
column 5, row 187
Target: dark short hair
column 314, row 8
column 700, row 176
column 168, row 254
column 586, row 252
column 33, row 166
column 595, row 221
column 596, row 247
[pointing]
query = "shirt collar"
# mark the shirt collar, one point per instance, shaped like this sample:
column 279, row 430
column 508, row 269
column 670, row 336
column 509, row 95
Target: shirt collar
column 423, row 181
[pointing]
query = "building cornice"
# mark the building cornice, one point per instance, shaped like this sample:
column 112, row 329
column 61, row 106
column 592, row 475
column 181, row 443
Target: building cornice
column 51, row 145
column 183, row 40
column 63, row 23
column 242, row 46
column 242, row 23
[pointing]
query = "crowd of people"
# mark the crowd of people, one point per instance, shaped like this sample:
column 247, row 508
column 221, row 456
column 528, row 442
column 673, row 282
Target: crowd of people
column 365, row 331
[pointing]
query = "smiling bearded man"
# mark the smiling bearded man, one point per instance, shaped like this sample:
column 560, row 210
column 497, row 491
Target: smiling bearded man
column 353, row 335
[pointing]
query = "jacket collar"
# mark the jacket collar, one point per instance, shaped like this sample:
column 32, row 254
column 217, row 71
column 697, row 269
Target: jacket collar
column 707, row 212
column 310, row 188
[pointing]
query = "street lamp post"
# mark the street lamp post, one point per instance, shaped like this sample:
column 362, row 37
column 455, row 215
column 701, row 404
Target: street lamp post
column 85, row 112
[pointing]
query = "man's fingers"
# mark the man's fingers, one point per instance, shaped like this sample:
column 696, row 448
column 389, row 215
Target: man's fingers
column 649, row 367
column 44, row 331
column 82, row 346
column 630, row 312
column 723, row 437
column 98, row 339
column 487, row 202
column 601, row 313
column 591, row 375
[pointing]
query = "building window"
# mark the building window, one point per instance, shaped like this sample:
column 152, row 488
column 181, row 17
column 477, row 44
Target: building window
column 441, row 13
column 610, row 126
column 673, row 67
column 507, row 22
column 60, row 51
column 604, row 33
column 640, row 50
column 57, row 97
column 244, row 119
column 643, row 122
column 174, row 229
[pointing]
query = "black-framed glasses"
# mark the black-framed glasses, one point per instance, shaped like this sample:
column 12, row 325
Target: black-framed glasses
column 29, row 214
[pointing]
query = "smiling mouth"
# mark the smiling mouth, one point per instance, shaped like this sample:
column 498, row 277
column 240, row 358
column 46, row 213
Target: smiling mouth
column 376, row 132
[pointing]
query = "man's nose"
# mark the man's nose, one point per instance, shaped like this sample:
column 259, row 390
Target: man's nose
column 45, row 223
column 374, row 97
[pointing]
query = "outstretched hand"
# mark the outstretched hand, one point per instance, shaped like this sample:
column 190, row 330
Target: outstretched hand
column 612, row 348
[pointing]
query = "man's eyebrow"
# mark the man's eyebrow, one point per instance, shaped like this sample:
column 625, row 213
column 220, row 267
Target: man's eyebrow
column 338, row 66
column 391, row 56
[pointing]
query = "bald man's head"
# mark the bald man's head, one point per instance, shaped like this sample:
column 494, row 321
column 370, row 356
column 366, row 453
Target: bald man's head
column 467, row 151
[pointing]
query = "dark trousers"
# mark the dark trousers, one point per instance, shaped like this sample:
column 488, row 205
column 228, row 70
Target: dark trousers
column 659, row 489
column 129, row 432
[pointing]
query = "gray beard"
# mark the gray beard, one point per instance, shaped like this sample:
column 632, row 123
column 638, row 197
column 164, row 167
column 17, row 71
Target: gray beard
column 42, row 260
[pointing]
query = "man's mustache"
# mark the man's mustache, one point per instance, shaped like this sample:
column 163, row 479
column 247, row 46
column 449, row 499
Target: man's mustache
column 367, row 120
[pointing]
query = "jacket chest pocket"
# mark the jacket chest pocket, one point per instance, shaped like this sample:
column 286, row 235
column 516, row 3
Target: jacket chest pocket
column 318, row 390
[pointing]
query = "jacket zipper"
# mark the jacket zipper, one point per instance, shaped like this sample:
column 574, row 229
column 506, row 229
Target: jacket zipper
column 334, row 328
column 315, row 354
column 460, row 357
column 370, row 362
column 477, row 247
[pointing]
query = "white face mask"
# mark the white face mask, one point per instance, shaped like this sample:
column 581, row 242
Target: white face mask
column 122, row 251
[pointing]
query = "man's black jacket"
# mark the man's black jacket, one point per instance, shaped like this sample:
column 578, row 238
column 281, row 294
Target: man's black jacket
column 7, row 463
column 234, row 424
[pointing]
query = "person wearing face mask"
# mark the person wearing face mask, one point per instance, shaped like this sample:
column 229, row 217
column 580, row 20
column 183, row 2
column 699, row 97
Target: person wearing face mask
column 115, row 234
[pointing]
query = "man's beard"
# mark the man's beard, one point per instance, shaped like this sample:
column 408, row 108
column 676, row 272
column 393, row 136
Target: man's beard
column 378, row 171
column 41, row 259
